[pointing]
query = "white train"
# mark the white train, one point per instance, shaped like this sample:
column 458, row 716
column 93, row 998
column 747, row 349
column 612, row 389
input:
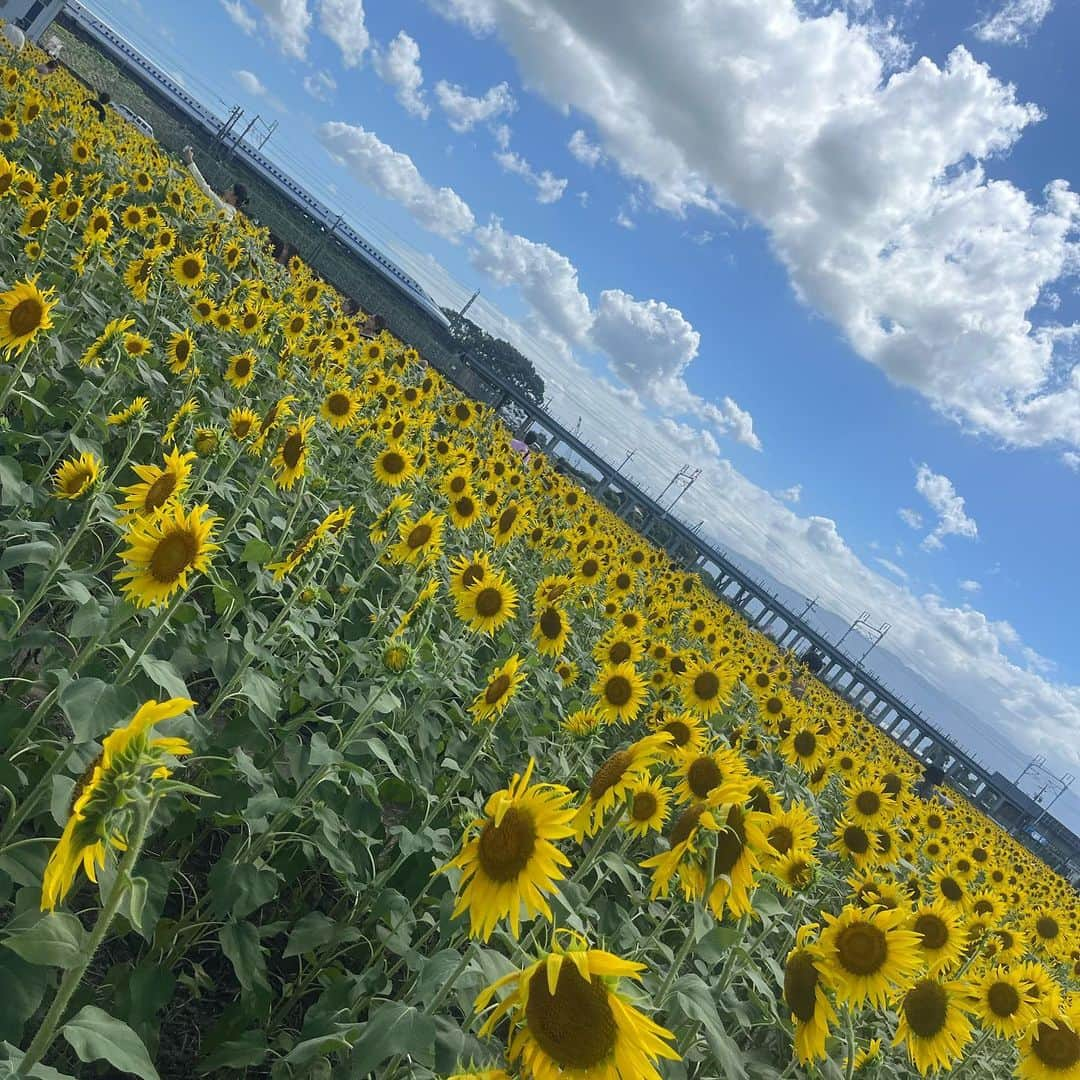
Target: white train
column 145, row 71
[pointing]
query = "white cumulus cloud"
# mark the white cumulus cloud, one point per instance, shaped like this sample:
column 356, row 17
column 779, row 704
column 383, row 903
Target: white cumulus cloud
column 343, row 22
column 969, row 585
column 288, row 21
column 393, row 175
column 790, row 495
column 1014, row 22
column 911, row 518
column 588, row 153
column 320, row 85
column 240, row 15
column 871, row 183
column 952, row 518
column 399, row 66
column 549, row 187
column 464, row 112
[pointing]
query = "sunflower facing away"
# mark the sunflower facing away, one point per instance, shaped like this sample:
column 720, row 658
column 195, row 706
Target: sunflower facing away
column 98, row 815
column 76, row 476
column 508, row 857
column 568, row 1019
column 24, row 313
column 163, row 551
column 804, row 994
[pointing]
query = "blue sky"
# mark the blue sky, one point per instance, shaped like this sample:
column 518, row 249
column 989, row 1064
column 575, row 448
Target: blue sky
column 808, row 247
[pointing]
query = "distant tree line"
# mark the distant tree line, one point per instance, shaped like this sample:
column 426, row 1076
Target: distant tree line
column 497, row 354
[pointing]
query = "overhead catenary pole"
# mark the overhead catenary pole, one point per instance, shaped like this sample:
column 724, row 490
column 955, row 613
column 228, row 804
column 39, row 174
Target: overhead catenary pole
column 240, row 138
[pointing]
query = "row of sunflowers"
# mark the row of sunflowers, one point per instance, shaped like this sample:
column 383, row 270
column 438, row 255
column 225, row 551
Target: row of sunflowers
column 341, row 738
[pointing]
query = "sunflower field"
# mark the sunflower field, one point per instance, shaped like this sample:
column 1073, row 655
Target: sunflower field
column 338, row 738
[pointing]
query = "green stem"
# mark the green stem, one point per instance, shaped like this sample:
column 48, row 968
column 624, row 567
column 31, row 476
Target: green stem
column 73, row 976
column 9, row 385
column 150, row 636
column 676, row 964
column 61, row 558
column 849, row 1024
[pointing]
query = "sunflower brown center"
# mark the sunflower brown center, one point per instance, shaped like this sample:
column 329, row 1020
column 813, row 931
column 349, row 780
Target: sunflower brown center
column 457, row 484
column 643, row 806
column 950, row 889
column 685, row 825
column 292, row 450
column 183, row 349
column 190, row 268
column 505, row 849
column 465, row 506
column 243, row 367
column 1056, row 1046
column 172, row 556
column 933, row 821
column 679, row 731
column 25, row 317
column 507, row 519
column 77, row 481
column 622, row 581
column 926, row 1008
column 856, row 840
column 781, row 839
column 618, row 690
column 610, row 773
column 1003, row 999
column 805, row 743
column 868, row 803
column 934, row 931
column 861, row 948
column 730, row 843
column 800, row 985
column 575, row 1026
column 496, row 689
column 551, row 624
column 983, row 907
column 461, row 411
column 418, row 536
column 489, row 602
column 773, row 706
column 619, row 652
column 160, row 492
column 338, row 404
column 706, row 686
column 703, row 775
column 393, row 463
column 1047, row 927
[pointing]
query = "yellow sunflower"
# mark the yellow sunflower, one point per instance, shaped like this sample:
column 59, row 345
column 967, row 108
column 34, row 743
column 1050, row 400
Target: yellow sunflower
column 24, row 313
column 508, row 857
column 864, row 954
column 804, row 994
column 163, row 552
column 611, row 782
column 290, row 461
column 620, row 692
column 551, row 631
column 420, row 541
column 648, row 807
column 159, row 485
column 241, row 369
column 998, row 998
column 340, row 407
column 76, row 476
column 112, row 783
column 501, row 686
column 719, row 776
column 137, row 408
column 568, row 1019
column 487, row 604
column 1050, row 1048
column 705, row 688
column 932, row 1024
column 393, row 467
column 180, row 350
column 243, row 423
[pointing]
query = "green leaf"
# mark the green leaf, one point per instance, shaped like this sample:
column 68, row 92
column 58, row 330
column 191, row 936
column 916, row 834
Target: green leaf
column 10, row 1059
column 257, row 551
column 241, row 889
column 436, row 970
column 313, row 930
column 56, row 940
column 13, row 492
column 392, row 1028
column 93, row 707
column 60, row 801
column 379, row 750
column 22, row 987
column 240, row 943
column 87, row 621
column 95, row 1035
column 164, row 675
column 38, row 552
column 262, row 692
column 303, row 1053
column 240, row 1053
column 137, row 900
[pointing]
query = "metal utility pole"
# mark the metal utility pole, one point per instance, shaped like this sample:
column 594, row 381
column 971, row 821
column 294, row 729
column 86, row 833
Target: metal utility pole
column 326, row 236
column 810, row 605
column 469, row 302
column 1036, row 762
column 680, row 475
column 227, row 125
column 881, row 631
column 1065, row 783
column 240, row 138
column 629, row 455
column 269, row 131
column 686, row 487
